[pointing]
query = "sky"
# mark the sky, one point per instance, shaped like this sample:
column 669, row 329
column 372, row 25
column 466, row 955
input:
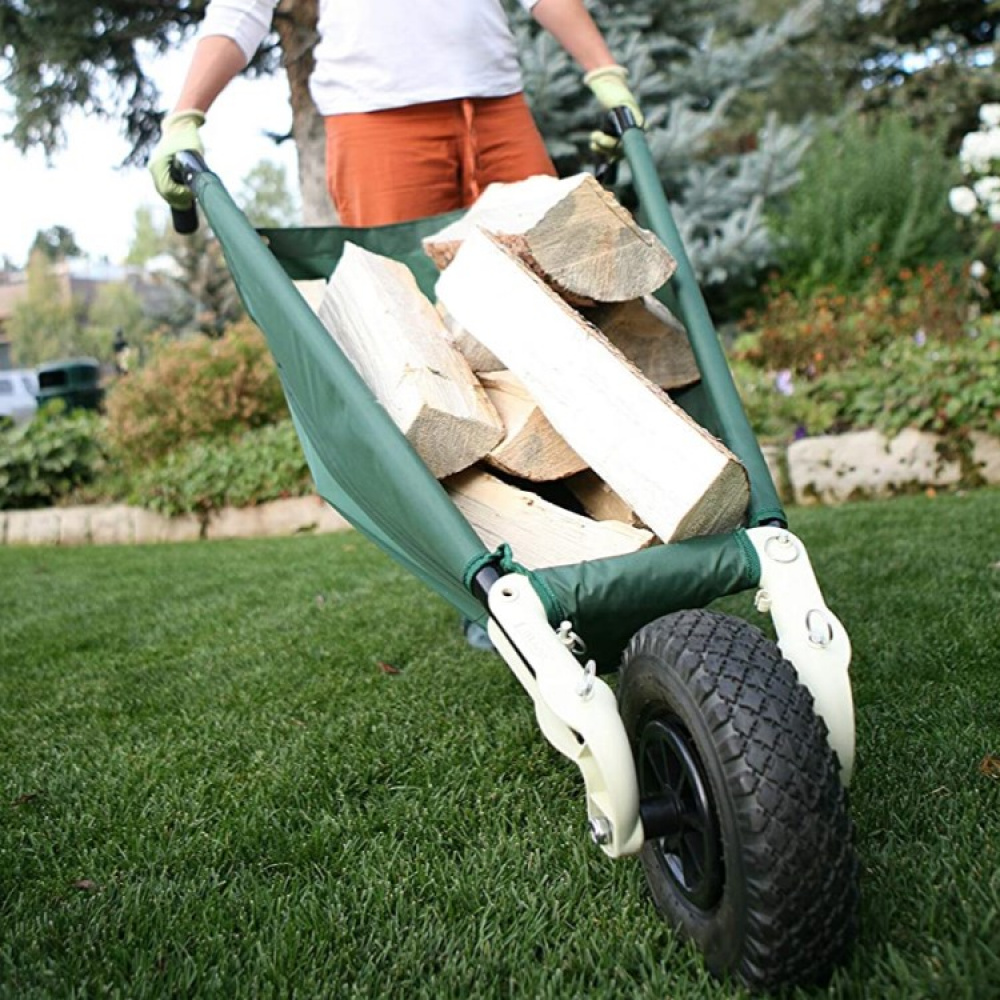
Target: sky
column 84, row 188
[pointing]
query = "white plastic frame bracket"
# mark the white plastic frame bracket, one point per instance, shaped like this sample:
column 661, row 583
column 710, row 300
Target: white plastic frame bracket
column 577, row 712
column 810, row 635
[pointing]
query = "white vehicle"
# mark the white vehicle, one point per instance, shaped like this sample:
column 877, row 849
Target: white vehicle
column 18, row 394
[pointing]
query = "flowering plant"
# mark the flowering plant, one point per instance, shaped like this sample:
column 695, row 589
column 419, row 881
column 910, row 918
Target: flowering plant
column 978, row 200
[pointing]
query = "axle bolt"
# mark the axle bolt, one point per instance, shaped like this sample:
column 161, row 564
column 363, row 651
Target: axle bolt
column 600, row 830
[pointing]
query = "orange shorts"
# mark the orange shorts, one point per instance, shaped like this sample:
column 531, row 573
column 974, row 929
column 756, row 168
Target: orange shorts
column 406, row 163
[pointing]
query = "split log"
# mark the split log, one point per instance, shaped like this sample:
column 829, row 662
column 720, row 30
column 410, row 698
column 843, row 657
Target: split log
column 572, row 231
column 539, row 533
column 312, row 290
column 599, row 500
column 394, row 337
column 651, row 337
column 479, row 359
column 531, row 448
column 678, row 478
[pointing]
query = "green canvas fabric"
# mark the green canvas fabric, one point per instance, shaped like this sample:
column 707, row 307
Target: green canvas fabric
column 366, row 469
column 362, row 464
column 608, row 600
column 714, row 401
column 313, row 252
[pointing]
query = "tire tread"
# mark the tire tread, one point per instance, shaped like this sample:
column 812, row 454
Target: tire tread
column 795, row 831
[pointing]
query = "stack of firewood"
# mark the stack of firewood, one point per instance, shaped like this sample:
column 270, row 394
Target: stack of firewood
column 535, row 388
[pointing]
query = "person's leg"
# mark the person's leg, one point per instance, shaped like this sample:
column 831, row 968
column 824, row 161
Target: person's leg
column 508, row 145
column 397, row 165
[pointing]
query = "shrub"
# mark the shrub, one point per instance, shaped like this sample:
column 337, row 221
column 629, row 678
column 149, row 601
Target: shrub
column 195, row 390
column 872, row 197
column 977, row 201
column 45, row 460
column 949, row 388
column 203, row 476
column 831, row 330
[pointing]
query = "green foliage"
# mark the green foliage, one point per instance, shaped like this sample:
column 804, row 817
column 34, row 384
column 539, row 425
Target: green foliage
column 56, row 243
column 948, row 387
column 46, row 459
column 116, row 308
column 830, row 329
column 57, row 55
column 695, row 69
column 873, row 197
column 775, row 414
column 44, row 324
column 927, row 57
column 265, row 197
column 288, row 746
column 204, row 476
column 212, row 302
column 149, row 238
column 194, row 390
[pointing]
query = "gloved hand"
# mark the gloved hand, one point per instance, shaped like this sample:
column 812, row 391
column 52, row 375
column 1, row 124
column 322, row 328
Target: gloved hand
column 609, row 85
column 180, row 133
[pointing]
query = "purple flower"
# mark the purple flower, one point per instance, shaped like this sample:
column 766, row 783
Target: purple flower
column 783, row 382
column 920, row 337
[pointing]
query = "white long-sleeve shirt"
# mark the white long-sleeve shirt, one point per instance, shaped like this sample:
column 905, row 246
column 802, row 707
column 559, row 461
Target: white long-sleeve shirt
column 379, row 54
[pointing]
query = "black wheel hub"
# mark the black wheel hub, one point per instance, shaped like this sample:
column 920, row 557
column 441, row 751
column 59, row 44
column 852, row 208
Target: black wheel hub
column 677, row 812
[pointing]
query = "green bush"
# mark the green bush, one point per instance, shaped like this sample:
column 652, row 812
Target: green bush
column 872, row 197
column 949, row 388
column 196, row 389
column 830, row 330
column 44, row 461
column 204, row 476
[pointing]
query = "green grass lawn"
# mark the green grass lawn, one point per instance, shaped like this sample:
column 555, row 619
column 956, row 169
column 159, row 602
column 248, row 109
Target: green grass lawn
column 273, row 768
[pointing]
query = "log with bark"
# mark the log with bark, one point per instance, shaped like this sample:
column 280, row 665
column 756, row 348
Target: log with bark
column 677, row 478
column 651, row 337
column 572, row 231
column 531, row 448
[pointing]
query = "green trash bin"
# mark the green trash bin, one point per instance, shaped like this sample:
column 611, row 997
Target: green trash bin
column 76, row 381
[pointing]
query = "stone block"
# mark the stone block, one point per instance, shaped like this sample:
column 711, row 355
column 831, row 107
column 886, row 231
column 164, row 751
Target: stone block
column 33, row 527
column 112, row 525
column 74, row 525
column 277, row 518
column 986, row 456
column 840, row 467
column 151, row 527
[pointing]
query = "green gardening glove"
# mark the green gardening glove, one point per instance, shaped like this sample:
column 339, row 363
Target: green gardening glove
column 180, row 133
column 609, row 85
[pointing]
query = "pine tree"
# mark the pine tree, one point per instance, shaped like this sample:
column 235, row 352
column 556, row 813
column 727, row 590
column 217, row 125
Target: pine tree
column 698, row 70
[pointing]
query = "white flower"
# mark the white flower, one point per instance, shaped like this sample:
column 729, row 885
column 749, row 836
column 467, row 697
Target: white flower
column 963, row 200
column 993, row 211
column 989, row 115
column 977, row 270
column 979, row 150
column 987, row 190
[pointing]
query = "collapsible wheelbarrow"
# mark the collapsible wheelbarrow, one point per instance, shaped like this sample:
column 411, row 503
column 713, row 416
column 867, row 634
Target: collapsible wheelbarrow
column 723, row 757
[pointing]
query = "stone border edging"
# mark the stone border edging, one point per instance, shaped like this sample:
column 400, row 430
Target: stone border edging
column 866, row 464
column 826, row 470
column 120, row 524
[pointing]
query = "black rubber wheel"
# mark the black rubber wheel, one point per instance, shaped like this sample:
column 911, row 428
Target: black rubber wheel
column 757, row 866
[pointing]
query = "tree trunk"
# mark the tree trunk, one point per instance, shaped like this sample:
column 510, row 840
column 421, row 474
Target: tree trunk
column 295, row 23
